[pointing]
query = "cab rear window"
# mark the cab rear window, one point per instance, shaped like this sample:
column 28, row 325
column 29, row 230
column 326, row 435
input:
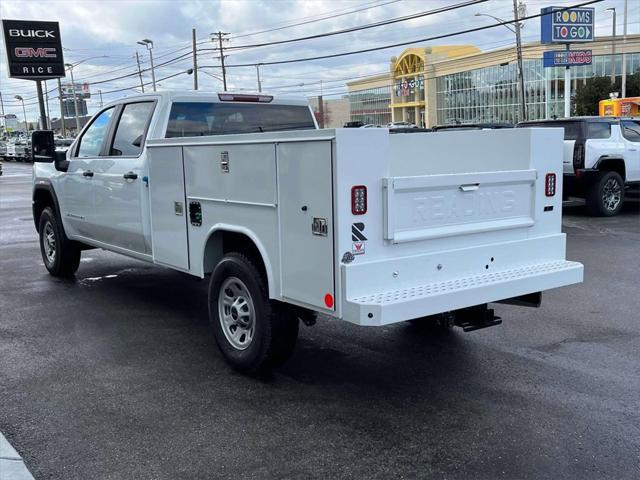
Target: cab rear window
column 194, row 119
column 572, row 130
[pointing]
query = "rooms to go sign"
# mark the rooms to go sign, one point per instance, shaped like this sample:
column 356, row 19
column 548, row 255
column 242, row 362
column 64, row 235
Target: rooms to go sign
column 567, row 25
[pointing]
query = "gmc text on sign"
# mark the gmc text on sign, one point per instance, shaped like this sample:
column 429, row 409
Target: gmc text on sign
column 34, row 49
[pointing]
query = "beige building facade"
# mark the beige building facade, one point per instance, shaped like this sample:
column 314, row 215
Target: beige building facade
column 460, row 84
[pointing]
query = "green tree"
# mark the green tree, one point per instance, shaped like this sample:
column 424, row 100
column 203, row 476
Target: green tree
column 587, row 96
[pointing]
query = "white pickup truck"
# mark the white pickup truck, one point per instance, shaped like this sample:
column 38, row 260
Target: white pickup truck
column 290, row 221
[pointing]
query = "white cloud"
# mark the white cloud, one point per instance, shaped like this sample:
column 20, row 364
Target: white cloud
column 109, row 30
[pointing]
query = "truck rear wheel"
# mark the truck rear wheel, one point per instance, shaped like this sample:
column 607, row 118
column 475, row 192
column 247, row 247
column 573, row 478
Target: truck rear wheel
column 606, row 196
column 253, row 333
column 60, row 255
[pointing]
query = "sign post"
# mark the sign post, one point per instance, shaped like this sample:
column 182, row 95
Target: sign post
column 567, row 25
column 34, row 52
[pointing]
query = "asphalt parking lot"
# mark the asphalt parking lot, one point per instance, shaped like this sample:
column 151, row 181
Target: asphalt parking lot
column 114, row 375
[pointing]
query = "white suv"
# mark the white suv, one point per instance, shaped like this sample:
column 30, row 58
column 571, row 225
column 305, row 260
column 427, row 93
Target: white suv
column 601, row 159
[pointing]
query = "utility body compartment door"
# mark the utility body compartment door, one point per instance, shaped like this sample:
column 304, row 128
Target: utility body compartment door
column 305, row 204
column 169, row 241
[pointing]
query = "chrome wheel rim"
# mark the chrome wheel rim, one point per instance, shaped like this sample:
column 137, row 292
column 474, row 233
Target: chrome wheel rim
column 611, row 194
column 49, row 242
column 236, row 312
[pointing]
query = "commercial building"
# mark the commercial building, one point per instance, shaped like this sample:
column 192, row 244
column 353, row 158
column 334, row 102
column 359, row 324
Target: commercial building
column 441, row 85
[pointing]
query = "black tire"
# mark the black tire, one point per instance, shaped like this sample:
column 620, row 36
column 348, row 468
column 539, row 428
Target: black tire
column 605, row 196
column 268, row 335
column 66, row 254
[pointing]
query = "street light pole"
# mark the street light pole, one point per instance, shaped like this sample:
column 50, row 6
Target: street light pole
column 75, row 98
column 258, row 74
column 613, row 46
column 624, row 53
column 149, row 45
column 523, row 105
column 24, row 112
column 516, row 32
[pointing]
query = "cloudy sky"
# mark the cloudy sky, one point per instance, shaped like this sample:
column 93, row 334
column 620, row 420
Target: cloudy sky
column 102, row 34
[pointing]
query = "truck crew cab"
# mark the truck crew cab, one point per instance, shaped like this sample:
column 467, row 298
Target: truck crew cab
column 290, row 221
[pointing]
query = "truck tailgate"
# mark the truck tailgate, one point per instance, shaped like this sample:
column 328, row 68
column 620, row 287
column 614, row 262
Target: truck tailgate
column 432, row 206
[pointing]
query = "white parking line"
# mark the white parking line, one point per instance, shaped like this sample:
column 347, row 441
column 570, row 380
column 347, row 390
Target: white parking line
column 11, row 464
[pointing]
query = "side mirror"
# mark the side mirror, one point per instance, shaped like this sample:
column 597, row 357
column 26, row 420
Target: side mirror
column 43, row 147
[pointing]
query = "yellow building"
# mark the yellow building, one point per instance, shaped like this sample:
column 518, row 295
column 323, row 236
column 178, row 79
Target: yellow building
column 460, row 84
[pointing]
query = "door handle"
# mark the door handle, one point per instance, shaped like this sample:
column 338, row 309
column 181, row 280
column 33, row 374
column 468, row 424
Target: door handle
column 470, row 187
column 87, row 173
column 130, row 176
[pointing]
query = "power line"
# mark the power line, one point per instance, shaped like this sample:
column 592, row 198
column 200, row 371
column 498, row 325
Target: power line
column 366, row 26
column 401, row 44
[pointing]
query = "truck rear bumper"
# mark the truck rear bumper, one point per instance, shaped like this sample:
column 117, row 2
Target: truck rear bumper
column 428, row 299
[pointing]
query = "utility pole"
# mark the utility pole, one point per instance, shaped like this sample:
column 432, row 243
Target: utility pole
column 624, row 53
column 259, row 82
column 75, row 97
column 4, row 120
column 613, row 47
column 46, row 99
column 64, row 131
column 517, row 25
column 139, row 71
column 220, row 36
column 100, row 92
column 321, row 111
column 195, row 59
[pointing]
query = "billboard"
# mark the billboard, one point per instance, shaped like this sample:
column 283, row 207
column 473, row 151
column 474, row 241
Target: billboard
column 10, row 122
column 69, row 108
column 567, row 25
column 566, row 58
column 82, row 90
column 34, row 49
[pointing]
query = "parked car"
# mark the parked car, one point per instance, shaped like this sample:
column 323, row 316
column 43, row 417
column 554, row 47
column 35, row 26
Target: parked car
column 601, row 159
column 353, row 125
column 393, row 125
column 473, row 126
column 370, row 125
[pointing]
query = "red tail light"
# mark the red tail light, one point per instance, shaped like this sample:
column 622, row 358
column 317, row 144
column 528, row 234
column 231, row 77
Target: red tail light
column 550, row 184
column 359, row 200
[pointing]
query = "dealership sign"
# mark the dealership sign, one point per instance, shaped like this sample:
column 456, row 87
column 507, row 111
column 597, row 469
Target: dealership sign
column 566, row 58
column 567, row 25
column 82, row 90
column 34, row 49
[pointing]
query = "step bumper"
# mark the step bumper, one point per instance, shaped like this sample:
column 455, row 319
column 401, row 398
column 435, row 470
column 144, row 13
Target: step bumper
column 421, row 300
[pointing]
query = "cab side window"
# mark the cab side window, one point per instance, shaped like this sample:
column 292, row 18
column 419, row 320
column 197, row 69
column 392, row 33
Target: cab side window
column 631, row 130
column 93, row 137
column 598, row 130
column 131, row 129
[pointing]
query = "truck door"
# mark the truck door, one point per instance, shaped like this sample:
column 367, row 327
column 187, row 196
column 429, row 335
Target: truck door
column 305, row 204
column 118, row 185
column 77, row 205
column 631, row 134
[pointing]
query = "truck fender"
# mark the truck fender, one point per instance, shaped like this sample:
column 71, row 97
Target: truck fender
column 224, row 227
column 614, row 163
column 43, row 187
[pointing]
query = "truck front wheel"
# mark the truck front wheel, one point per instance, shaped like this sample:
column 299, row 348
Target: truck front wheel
column 253, row 333
column 61, row 256
column 606, row 195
